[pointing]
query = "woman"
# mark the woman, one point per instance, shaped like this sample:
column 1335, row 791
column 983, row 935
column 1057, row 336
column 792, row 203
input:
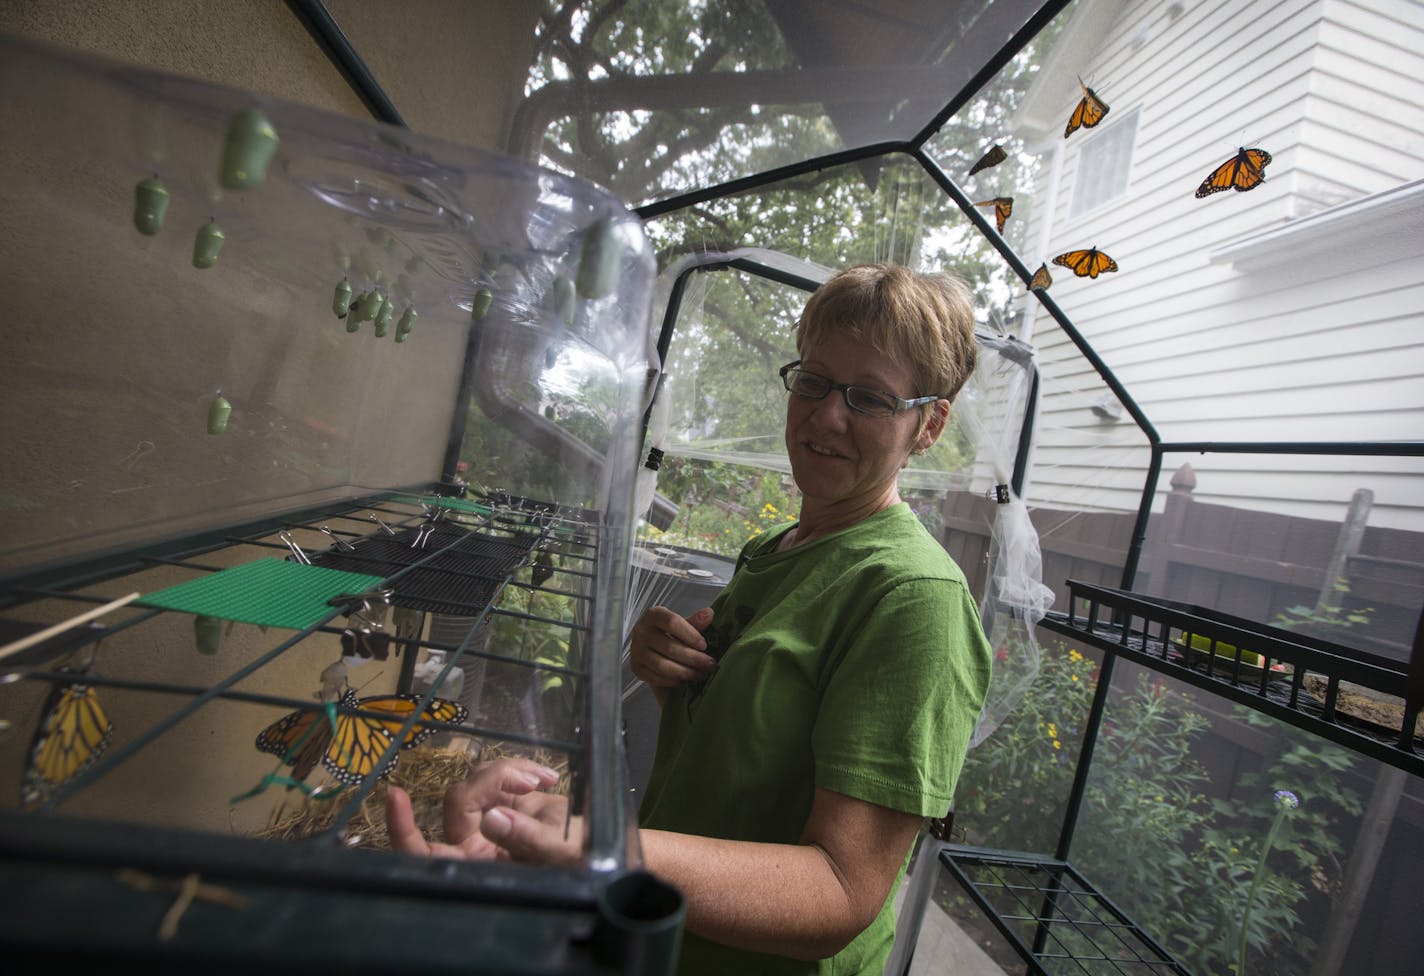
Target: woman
column 821, row 707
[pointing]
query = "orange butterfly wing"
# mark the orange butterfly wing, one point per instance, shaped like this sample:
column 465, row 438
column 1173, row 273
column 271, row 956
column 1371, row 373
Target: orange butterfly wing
column 1090, row 111
column 354, row 747
column 1003, row 207
column 298, row 739
column 1086, row 263
column 73, row 733
column 1244, row 171
column 1041, row 279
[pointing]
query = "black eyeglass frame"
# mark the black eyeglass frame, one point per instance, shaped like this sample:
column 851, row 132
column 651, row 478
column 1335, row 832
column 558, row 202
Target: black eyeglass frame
column 901, row 404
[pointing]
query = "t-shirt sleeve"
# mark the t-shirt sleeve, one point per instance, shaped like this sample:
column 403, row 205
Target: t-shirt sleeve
column 894, row 722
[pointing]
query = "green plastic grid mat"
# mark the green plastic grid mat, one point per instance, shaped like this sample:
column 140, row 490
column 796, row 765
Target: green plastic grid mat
column 268, row 592
column 458, row 504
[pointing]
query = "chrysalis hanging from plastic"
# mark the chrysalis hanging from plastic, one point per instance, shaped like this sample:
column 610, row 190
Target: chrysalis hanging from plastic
column 406, row 323
column 150, row 206
column 383, row 317
column 207, row 245
column 365, row 309
column 563, row 298
column 480, row 304
column 341, row 299
column 218, row 412
column 207, row 634
column 598, row 263
column 251, row 142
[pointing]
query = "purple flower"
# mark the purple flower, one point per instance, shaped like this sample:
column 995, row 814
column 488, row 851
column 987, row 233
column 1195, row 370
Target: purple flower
column 1287, row 800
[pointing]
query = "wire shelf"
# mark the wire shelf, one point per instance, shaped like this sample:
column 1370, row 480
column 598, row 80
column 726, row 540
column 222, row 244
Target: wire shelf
column 1291, row 676
column 1054, row 918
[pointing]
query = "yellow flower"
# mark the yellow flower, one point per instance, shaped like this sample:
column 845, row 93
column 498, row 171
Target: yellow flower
column 1073, row 655
column 1073, row 676
column 1057, row 744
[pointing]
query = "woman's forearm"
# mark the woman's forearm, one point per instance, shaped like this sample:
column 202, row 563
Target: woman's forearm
column 787, row 899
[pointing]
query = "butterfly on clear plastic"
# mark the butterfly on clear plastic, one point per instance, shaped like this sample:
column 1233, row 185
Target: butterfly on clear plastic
column 73, row 733
column 1244, row 171
column 1090, row 111
column 1086, row 263
column 353, row 747
column 993, row 157
column 1003, row 206
column 1041, row 279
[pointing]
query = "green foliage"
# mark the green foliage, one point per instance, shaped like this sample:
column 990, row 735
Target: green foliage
column 1325, row 617
column 1178, row 862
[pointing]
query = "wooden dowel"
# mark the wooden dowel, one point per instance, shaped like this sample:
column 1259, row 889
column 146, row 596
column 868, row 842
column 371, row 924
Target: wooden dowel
column 39, row 637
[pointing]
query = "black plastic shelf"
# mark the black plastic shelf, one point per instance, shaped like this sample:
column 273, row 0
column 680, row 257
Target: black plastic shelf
column 1167, row 637
column 1054, row 918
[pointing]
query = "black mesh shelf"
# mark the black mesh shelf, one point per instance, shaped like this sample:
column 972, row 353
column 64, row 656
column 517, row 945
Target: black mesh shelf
column 1266, row 668
column 1056, row 920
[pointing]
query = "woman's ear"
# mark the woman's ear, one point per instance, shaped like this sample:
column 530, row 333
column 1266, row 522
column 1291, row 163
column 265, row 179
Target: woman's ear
column 932, row 427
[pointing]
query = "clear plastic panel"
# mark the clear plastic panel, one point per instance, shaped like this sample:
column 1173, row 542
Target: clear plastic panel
column 666, row 98
column 1336, row 554
column 251, row 335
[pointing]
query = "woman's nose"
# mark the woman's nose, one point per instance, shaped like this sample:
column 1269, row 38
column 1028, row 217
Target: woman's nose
column 832, row 411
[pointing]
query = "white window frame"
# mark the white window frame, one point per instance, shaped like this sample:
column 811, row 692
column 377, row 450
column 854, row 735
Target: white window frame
column 1115, row 181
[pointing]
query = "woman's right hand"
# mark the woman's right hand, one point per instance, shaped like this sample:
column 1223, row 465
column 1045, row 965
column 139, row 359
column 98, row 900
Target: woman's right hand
column 667, row 649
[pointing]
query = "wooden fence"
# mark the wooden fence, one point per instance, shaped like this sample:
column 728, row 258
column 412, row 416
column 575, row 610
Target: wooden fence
column 1251, row 564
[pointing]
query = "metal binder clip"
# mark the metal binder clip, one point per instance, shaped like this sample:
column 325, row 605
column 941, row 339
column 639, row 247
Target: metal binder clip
column 384, row 527
column 365, row 635
column 339, row 543
column 999, row 495
column 422, row 535
column 297, row 553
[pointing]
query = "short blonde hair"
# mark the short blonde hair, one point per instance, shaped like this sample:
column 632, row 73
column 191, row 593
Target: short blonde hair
column 926, row 320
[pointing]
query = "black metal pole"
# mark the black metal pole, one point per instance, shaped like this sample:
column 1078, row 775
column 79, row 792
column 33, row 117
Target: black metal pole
column 332, row 40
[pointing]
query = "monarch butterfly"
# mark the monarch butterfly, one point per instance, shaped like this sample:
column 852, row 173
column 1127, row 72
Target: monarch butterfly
column 1090, row 111
column 1087, row 263
column 73, row 733
column 1003, row 206
column 354, row 747
column 1041, row 279
column 1244, row 171
column 993, row 157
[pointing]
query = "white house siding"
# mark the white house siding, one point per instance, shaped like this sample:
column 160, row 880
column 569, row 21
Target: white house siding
column 1297, row 340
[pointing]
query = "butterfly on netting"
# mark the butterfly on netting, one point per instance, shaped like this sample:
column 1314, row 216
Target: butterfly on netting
column 1003, row 207
column 1086, row 263
column 72, row 734
column 1090, row 111
column 1041, row 279
column 1244, row 171
column 993, row 157
column 350, row 746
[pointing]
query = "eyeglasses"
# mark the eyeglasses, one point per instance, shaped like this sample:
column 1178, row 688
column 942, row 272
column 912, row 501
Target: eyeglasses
column 872, row 403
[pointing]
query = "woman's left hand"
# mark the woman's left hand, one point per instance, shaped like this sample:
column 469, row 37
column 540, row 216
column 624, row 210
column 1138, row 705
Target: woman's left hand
column 475, row 805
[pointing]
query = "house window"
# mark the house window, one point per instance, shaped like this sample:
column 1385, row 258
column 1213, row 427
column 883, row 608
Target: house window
column 1104, row 164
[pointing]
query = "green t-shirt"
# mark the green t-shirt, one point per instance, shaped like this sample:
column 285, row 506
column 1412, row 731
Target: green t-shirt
column 854, row 663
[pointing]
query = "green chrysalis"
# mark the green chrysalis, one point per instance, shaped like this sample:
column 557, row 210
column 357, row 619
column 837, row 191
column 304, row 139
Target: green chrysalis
column 207, row 245
column 564, row 299
column 367, row 306
column 218, row 412
column 341, row 300
column 251, row 143
column 150, row 205
column 383, row 317
column 406, row 323
column 480, row 304
column 207, row 634
column 598, row 264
